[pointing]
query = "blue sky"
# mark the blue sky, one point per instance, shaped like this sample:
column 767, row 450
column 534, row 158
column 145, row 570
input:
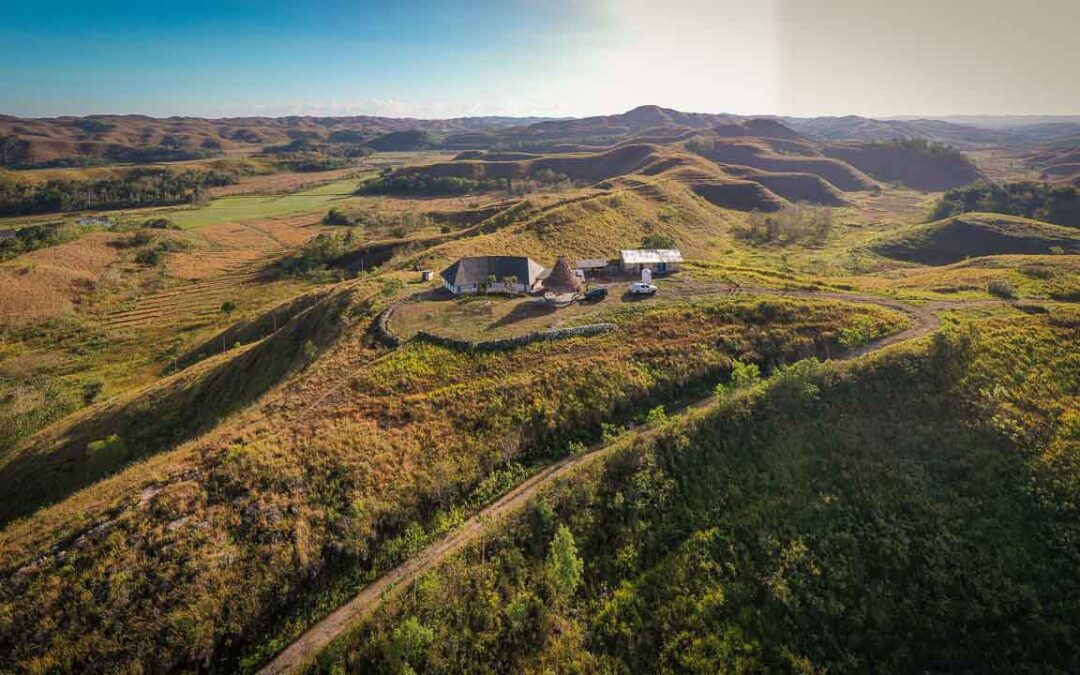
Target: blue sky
column 274, row 56
column 540, row 57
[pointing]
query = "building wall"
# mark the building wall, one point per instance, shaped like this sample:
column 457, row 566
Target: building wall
column 497, row 287
column 637, row 267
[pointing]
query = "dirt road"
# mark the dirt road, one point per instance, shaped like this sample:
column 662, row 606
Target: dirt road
column 308, row 645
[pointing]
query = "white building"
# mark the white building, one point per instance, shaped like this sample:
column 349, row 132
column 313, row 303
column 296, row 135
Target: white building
column 493, row 274
column 659, row 260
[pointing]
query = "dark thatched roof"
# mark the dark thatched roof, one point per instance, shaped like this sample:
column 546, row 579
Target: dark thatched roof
column 562, row 279
column 476, row 270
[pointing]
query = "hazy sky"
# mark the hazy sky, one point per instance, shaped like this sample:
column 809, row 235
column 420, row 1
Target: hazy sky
column 540, row 57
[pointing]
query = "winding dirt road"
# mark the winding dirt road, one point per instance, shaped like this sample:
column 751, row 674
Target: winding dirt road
column 318, row 637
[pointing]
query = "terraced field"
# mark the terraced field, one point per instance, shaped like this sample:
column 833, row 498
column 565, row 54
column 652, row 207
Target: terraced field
column 193, row 299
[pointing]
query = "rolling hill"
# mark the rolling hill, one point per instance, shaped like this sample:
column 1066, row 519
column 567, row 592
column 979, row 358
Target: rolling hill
column 915, row 163
column 977, row 234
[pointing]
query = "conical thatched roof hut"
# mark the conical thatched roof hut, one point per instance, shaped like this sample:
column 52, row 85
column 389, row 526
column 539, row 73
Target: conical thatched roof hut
column 562, row 279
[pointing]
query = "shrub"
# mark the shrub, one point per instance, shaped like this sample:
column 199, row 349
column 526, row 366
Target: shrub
column 743, row 376
column 1001, row 288
column 335, row 217
column 656, row 417
column 150, row 257
column 658, row 241
column 91, row 390
column 391, row 287
column 859, row 334
column 795, row 383
column 160, row 224
column 407, row 644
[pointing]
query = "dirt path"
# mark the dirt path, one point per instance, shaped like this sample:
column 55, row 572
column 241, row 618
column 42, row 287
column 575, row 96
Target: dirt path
column 318, row 637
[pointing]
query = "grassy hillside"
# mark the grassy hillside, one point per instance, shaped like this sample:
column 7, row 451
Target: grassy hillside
column 760, row 155
column 101, row 440
column 233, row 543
column 976, row 234
column 915, row 163
column 883, row 516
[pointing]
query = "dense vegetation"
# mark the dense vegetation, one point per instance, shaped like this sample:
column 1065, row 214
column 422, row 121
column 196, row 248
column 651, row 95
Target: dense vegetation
column 136, row 187
column 917, row 513
column 412, row 182
column 308, row 155
column 915, row 162
column 417, row 183
column 1058, row 204
column 795, row 222
column 254, row 536
column 31, row 238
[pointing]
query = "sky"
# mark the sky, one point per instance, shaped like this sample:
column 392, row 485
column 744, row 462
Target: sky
column 540, row 57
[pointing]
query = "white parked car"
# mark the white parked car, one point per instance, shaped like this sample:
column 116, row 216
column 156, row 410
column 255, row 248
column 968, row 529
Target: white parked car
column 642, row 288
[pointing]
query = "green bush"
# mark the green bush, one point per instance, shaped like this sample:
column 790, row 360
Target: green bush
column 1001, row 288
column 391, row 287
column 656, row 417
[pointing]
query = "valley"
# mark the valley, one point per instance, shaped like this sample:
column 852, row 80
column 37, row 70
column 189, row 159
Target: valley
column 242, row 430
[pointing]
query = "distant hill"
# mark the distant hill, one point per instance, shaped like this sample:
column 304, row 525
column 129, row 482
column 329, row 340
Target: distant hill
column 763, row 155
column 761, row 127
column 138, row 138
column 64, row 141
column 916, row 163
column 856, row 128
column 413, row 139
column 1057, row 164
column 976, row 234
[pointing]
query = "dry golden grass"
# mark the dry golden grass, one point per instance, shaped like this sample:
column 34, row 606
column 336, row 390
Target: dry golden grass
column 50, row 281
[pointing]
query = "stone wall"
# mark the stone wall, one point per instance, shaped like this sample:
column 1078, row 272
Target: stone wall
column 381, row 330
column 381, row 327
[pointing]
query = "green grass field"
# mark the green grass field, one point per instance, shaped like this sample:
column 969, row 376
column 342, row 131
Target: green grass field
column 251, row 207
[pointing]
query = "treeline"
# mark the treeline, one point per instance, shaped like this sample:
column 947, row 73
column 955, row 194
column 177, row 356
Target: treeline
column 137, row 187
column 418, row 183
column 306, row 154
column 413, row 183
column 1058, row 204
column 34, row 237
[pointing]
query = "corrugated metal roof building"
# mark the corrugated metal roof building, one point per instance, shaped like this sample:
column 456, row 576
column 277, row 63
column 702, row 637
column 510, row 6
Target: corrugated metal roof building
column 656, row 259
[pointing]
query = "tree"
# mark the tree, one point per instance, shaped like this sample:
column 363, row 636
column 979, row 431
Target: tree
column 228, row 307
column 335, row 217
column 564, row 568
column 391, row 287
column 743, row 376
column 407, row 644
column 658, row 241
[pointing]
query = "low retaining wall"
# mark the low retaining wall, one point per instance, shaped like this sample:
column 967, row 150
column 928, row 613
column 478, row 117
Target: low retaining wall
column 519, row 341
column 381, row 329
